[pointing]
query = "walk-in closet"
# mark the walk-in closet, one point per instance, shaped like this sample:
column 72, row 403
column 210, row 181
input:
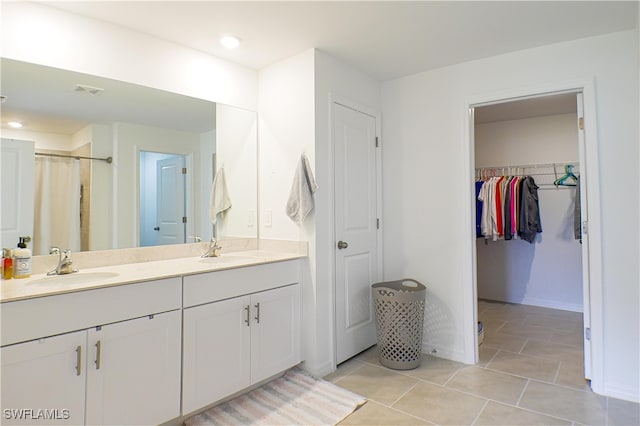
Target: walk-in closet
column 528, row 237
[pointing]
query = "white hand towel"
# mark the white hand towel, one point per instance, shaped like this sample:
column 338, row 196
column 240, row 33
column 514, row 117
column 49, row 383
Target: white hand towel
column 220, row 200
column 300, row 201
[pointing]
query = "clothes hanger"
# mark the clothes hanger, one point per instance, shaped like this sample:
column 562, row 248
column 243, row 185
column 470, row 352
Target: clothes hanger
column 568, row 174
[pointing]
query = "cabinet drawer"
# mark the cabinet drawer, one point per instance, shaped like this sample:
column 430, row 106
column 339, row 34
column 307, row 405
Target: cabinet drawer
column 24, row 320
column 220, row 285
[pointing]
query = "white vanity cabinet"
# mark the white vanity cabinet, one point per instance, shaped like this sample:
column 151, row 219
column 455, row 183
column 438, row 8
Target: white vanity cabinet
column 133, row 371
column 126, row 371
column 45, row 374
column 241, row 326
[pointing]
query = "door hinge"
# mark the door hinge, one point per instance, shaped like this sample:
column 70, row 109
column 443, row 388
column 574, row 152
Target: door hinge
column 585, row 227
column 581, row 123
column 587, row 333
column 184, row 170
column 377, row 223
column 377, row 142
column 184, row 219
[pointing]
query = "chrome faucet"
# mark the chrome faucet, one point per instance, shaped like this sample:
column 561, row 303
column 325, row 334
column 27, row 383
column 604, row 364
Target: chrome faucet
column 213, row 250
column 64, row 262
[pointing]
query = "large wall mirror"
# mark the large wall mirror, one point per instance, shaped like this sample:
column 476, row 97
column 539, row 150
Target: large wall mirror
column 116, row 165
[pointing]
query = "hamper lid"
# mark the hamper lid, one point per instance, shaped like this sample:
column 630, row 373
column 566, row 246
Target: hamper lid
column 406, row 284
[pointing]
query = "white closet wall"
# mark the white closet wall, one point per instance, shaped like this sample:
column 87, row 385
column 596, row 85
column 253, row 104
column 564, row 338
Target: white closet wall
column 549, row 272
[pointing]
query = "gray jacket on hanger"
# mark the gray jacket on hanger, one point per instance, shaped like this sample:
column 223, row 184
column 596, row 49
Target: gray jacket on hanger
column 529, row 210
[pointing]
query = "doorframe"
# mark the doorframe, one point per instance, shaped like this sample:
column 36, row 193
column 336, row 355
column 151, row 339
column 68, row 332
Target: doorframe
column 188, row 192
column 588, row 152
column 348, row 103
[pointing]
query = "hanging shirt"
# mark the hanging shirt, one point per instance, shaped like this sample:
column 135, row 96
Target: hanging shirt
column 507, row 208
column 499, row 212
column 529, row 211
column 479, row 209
column 487, row 196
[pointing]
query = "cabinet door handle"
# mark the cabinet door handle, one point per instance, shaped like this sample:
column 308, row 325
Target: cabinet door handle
column 78, row 360
column 98, row 354
column 257, row 317
column 248, row 320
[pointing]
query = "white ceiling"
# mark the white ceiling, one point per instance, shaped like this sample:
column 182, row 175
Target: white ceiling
column 383, row 39
column 386, row 39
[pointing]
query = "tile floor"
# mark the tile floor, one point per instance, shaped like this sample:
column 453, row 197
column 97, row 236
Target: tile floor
column 530, row 373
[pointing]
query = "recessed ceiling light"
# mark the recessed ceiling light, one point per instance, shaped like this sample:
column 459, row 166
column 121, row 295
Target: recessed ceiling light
column 15, row 124
column 230, row 42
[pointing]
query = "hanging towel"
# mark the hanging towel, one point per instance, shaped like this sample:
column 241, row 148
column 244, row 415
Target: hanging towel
column 300, row 201
column 220, row 200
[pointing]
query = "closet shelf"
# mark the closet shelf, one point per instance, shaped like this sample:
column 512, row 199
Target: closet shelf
column 545, row 174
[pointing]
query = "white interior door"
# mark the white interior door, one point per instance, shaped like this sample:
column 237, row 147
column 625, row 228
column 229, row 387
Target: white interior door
column 586, row 292
column 170, row 201
column 356, row 229
column 18, row 175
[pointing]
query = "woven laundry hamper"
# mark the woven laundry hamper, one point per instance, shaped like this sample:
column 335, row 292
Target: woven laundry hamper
column 399, row 307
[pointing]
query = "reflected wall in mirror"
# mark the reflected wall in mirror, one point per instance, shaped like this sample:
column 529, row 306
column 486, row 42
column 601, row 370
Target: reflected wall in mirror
column 101, row 205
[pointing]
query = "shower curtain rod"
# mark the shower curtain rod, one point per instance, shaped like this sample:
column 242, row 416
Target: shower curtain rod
column 109, row 160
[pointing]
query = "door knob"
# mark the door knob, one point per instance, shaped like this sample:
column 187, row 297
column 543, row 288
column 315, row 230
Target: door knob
column 342, row 245
column 157, row 228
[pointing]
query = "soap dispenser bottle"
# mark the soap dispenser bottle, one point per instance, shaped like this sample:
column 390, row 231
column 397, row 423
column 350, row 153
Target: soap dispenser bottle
column 7, row 264
column 22, row 259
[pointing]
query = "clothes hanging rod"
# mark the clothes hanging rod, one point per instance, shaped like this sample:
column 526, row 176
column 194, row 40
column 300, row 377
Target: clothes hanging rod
column 531, row 166
column 108, row 160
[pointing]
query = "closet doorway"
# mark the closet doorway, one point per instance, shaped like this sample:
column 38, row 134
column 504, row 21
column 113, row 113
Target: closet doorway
column 532, row 291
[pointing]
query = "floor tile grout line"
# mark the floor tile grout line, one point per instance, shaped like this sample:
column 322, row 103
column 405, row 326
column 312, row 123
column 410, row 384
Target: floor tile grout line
column 555, row 378
column 492, row 358
column 404, row 394
column 480, row 412
column 524, row 389
column 455, row 373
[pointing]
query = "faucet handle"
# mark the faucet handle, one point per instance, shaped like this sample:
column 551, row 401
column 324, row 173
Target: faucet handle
column 54, row 250
column 196, row 238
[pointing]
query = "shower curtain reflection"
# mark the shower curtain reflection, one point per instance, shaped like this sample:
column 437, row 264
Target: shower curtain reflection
column 57, row 204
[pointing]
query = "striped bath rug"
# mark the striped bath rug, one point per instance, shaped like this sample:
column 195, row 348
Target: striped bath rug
column 293, row 399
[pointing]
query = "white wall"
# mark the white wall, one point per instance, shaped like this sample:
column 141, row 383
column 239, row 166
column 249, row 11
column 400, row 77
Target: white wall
column 549, row 272
column 47, row 36
column 286, row 130
column 426, row 193
column 43, row 141
column 294, row 119
column 237, row 153
column 207, row 150
column 102, row 183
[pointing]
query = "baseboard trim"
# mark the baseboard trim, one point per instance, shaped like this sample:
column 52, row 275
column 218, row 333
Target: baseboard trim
column 440, row 352
column 622, row 391
column 544, row 303
column 320, row 370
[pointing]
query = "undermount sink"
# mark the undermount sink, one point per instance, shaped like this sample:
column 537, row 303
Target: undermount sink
column 76, row 278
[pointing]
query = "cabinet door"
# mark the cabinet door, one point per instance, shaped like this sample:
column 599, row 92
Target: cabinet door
column 133, row 372
column 275, row 331
column 43, row 381
column 216, row 361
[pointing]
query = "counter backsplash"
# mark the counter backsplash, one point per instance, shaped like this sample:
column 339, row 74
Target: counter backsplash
column 100, row 258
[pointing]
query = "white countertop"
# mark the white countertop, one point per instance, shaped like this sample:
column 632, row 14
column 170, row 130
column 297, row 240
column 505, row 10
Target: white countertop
column 40, row 285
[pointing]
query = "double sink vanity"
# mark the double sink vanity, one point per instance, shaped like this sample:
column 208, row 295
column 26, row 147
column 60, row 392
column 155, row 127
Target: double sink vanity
column 151, row 341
